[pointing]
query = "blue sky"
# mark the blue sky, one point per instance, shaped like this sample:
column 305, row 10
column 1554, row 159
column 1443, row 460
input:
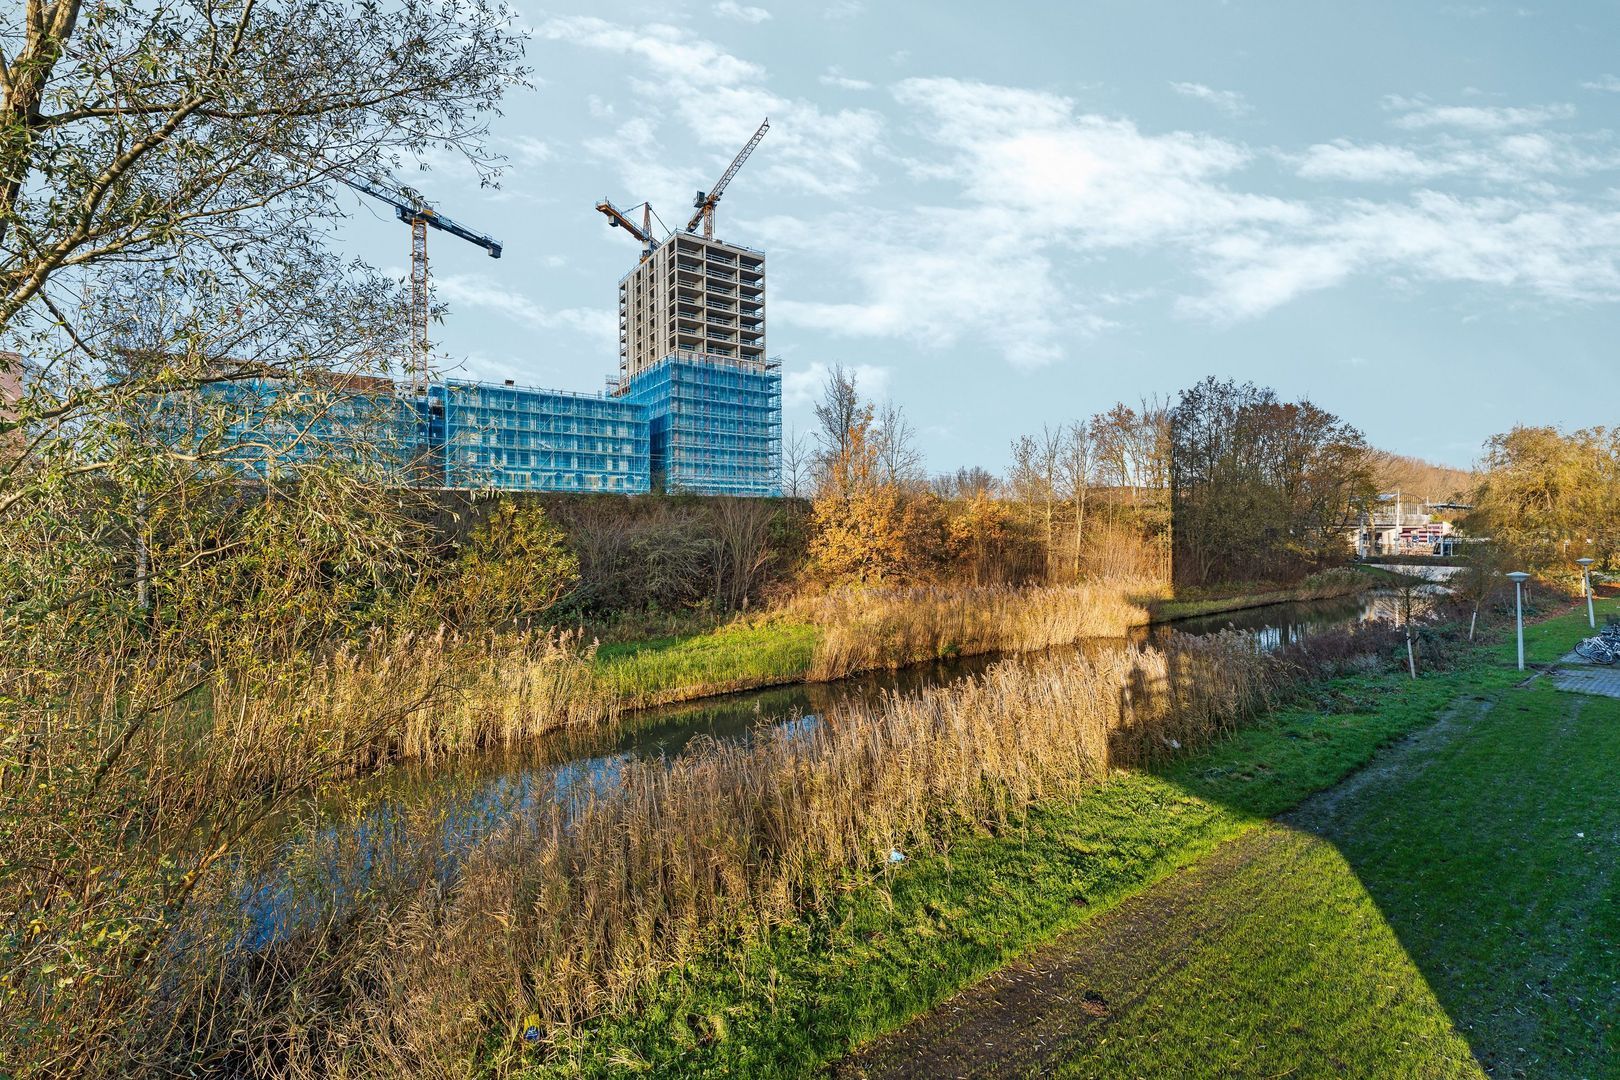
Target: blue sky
column 1015, row 214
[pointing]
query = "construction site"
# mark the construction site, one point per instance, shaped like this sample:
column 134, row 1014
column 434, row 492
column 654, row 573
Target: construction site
column 696, row 406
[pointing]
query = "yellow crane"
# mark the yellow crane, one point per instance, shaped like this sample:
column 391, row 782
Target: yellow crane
column 620, row 220
column 703, row 203
column 705, row 200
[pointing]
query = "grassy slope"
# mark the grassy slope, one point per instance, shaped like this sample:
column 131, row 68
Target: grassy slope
column 734, row 657
column 891, row 947
column 1445, row 917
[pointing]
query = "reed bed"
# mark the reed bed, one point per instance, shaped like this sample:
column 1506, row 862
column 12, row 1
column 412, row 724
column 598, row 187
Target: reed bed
column 585, row 899
column 426, row 695
column 865, row 630
column 135, row 800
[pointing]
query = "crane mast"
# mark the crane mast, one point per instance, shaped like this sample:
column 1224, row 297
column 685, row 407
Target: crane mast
column 414, row 211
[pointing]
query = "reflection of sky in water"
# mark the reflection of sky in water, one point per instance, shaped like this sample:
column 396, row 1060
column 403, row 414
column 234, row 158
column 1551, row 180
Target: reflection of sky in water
column 466, row 798
column 330, row 869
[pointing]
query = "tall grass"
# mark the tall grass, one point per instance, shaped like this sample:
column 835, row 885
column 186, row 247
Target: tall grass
column 133, row 799
column 586, row 898
column 826, row 636
column 870, row 629
column 442, row 693
column 742, row 655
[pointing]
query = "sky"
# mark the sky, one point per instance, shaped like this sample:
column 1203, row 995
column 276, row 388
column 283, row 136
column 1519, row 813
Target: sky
column 1003, row 216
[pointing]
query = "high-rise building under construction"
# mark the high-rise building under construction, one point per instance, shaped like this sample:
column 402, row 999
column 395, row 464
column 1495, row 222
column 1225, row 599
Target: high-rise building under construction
column 693, row 298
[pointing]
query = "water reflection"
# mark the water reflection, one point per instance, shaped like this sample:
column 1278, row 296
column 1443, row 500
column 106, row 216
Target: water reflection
column 372, row 830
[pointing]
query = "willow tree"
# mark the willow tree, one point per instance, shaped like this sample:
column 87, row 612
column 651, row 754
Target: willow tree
column 170, row 186
column 169, row 199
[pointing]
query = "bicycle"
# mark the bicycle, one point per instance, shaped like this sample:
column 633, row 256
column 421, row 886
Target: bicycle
column 1604, row 648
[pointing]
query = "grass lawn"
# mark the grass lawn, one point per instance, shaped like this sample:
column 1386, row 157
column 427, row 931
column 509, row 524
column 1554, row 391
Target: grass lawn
column 1456, row 914
column 734, row 657
column 1404, row 961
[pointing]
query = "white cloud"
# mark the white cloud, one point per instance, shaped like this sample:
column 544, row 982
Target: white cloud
column 720, row 99
column 527, row 150
column 730, row 9
column 1517, row 158
column 1229, row 102
column 803, row 387
column 1607, row 83
column 670, row 51
column 1099, row 181
column 1044, row 182
column 1416, row 115
column 843, row 9
column 597, row 325
column 1561, row 251
column 1344, row 160
column 835, row 77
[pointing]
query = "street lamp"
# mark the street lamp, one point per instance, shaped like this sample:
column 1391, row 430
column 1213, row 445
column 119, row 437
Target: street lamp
column 1519, row 578
column 1585, row 564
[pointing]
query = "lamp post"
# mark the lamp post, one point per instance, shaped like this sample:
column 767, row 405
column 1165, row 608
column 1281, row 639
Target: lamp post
column 1519, row 578
column 1585, row 564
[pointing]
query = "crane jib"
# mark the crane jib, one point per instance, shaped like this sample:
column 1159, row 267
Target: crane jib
column 705, row 201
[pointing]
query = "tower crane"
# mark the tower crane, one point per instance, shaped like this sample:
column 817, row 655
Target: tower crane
column 705, row 200
column 620, row 220
column 413, row 210
column 704, row 204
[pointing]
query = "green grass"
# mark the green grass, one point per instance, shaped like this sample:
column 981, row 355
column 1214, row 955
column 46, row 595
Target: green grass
column 892, row 946
column 733, row 657
column 1462, row 910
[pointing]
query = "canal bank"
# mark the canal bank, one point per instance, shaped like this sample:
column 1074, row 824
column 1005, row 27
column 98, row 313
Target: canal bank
column 841, row 635
column 471, row 795
column 894, row 944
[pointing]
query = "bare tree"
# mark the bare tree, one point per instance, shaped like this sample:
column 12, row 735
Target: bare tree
column 895, row 448
column 1131, row 447
column 1034, row 478
column 798, row 464
column 742, row 549
column 965, row 483
column 1076, row 474
column 845, row 438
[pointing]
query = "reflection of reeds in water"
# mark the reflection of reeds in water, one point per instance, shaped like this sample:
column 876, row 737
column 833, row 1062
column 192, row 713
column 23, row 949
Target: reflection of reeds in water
column 865, row 630
column 582, row 900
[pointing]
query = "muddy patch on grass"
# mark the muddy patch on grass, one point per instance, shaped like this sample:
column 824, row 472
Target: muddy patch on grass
column 1029, row 1016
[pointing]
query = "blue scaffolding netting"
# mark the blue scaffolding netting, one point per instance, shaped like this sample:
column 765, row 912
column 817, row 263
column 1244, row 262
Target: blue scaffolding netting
column 701, row 425
column 716, row 425
column 517, row 438
column 272, row 427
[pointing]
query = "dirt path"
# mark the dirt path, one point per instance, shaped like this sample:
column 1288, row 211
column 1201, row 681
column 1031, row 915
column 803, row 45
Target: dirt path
column 1036, row 1014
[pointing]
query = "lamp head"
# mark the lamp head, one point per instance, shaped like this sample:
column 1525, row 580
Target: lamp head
column 1519, row 576
column 1585, row 561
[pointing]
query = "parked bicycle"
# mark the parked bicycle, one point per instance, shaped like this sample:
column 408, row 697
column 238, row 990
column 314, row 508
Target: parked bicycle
column 1604, row 648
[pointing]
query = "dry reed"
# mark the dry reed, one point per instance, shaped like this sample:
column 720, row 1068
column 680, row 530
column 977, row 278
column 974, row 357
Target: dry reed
column 582, row 901
column 442, row 693
column 869, row 629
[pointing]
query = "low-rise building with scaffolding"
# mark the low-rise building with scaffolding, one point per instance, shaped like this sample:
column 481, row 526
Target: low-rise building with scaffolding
column 500, row 436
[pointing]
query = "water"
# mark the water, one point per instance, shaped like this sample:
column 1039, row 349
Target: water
column 365, row 831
